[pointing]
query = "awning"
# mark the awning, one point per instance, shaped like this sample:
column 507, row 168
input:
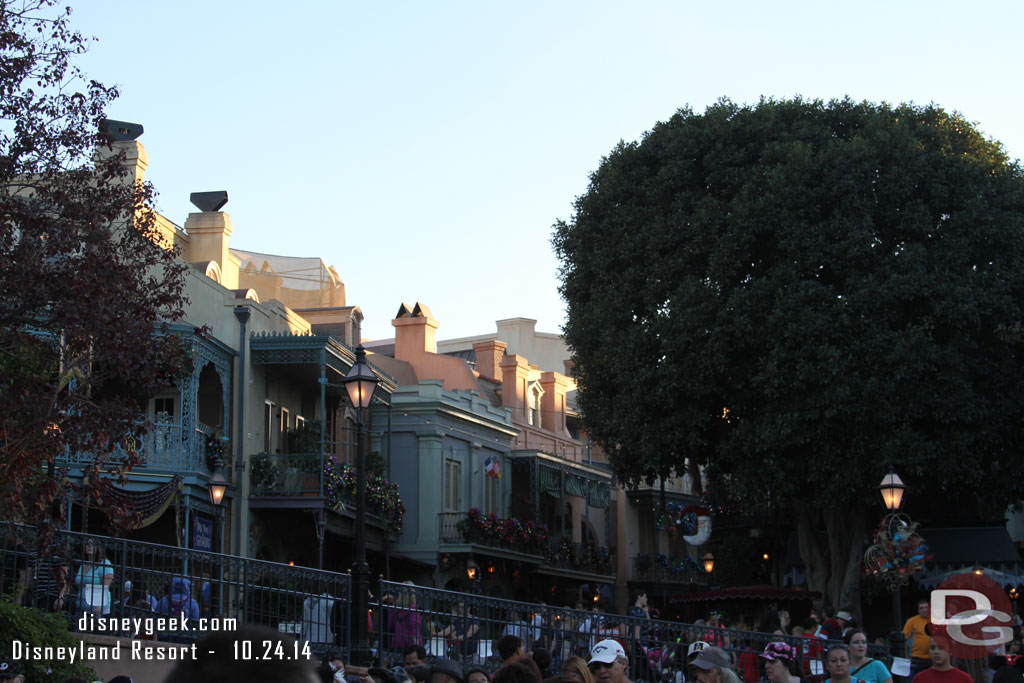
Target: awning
column 745, row 593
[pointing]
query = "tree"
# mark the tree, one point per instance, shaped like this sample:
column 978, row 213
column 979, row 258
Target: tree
column 86, row 292
column 799, row 295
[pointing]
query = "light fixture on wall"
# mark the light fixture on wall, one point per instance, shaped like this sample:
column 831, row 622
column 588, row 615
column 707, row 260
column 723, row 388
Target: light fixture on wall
column 709, row 563
column 218, row 484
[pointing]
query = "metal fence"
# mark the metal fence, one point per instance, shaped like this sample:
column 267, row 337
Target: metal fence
column 314, row 605
column 467, row 627
column 212, row 591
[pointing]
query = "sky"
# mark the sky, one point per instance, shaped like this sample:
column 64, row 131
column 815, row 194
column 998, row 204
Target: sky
column 425, row 149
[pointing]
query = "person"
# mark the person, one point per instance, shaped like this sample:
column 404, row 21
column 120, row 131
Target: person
column 640, row 610
column 863, row 667
column 52, row 583
column 576, row 669
column 464, row 630
column 93, row 579
column 716, row 634
column 477, row 675
column 780, row 663
column 414, row 655
column 831, row 628
column 180, row 602
column 837, row 665
column 542, row 658
column 714, row 666
column 406, row 620
column 941, row 669
column 446, row 671
column 510, row 648
column 608, row 662
column 11, row 671
column 216, row 660
column 918, row 640
column 517, row 627
column 517, row 672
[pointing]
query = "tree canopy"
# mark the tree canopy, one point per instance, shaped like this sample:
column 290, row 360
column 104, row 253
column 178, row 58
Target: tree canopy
column 798, row 295
column 86, row 292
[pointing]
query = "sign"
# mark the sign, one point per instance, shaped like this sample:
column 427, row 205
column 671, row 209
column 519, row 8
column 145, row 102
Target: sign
column 971, row 616
column 202, row 533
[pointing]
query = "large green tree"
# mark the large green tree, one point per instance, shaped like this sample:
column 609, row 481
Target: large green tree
column 799, row 295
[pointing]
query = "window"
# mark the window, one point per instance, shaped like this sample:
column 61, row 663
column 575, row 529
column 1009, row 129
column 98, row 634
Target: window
column 452, row 482
column 285, row 424
column 533, row 405
column 268, row 427
column 491, row 494
column 300, row 422
column 163, row 405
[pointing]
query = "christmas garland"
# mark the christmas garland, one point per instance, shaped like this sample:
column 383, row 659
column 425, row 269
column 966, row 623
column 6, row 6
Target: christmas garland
column 216, row 446
column 341, row 482
column 511, row 532
column 685, row 565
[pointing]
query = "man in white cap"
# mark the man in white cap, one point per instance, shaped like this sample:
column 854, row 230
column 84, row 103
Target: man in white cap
column 608, row 662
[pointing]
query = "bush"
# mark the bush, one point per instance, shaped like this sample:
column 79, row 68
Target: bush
column 44, row 629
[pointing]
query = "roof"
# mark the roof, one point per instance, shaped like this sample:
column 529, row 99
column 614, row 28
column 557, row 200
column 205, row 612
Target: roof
column 745, row 593
column 970, row 545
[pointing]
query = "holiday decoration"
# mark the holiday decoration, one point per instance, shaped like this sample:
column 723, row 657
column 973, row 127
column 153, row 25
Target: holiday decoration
column 685, row 565
column 340, row 483
column 898, row 553
column 216, row 447
column 692, row 521
column 510, row 533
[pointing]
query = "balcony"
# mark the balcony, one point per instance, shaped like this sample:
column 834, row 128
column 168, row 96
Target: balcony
column 167, row 448
column 580, row 557
column 294, row 480
column 509, row 537
column 671, row 569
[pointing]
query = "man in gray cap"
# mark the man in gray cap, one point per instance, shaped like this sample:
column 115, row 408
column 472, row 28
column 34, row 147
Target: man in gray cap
column 446, row 671
column 714, row 666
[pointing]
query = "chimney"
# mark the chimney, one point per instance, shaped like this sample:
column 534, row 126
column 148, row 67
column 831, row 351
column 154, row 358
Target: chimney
column 488, row 358
column 415, row 332
column 209, row 234
column 552, row 402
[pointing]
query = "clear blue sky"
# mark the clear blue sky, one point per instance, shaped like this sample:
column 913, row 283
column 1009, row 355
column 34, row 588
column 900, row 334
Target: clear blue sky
column 419, row 147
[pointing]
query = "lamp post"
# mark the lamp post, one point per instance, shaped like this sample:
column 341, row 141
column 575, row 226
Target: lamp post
column 886, row 558
column 360, row 383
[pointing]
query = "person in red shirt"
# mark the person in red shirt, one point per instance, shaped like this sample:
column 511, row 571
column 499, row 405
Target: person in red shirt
column 941, row 670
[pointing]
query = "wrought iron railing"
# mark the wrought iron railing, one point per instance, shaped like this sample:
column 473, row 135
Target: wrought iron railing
column 440, row 620
column 285, row 474
column 586, row 557
column 209, row 589
column 315, row 605
column 165, row 448
column 504, row 533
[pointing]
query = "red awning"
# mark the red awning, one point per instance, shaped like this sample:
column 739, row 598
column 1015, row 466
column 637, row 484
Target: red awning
column 745, row 593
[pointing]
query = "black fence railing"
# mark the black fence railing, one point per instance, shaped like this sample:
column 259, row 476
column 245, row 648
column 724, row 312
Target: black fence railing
column 204, row 591
column 466, row 628
column 219, row 592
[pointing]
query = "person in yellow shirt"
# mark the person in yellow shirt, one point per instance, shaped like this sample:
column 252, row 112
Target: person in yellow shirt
column 917, row 639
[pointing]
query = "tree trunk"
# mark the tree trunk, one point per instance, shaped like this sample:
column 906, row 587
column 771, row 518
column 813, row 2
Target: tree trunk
column 811, row 552
column 846, row 532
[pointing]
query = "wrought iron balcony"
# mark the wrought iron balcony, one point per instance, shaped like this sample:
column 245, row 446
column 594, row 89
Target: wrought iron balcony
column 291, row 474
column 167, row 448
column 477, row 528
column 584, row 557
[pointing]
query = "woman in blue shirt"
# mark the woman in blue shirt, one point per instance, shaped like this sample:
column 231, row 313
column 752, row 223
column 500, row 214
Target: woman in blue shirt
column 863, row 667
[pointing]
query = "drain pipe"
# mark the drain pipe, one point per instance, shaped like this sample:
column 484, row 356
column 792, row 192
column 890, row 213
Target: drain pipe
column 242, row 314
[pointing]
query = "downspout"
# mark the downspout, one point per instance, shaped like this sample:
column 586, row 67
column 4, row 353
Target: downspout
column 242, row 313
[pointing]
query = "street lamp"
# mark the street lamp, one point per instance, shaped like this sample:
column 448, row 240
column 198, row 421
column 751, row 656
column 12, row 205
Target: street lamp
column 897, row 553
column 360, row 383
column 218, row 484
